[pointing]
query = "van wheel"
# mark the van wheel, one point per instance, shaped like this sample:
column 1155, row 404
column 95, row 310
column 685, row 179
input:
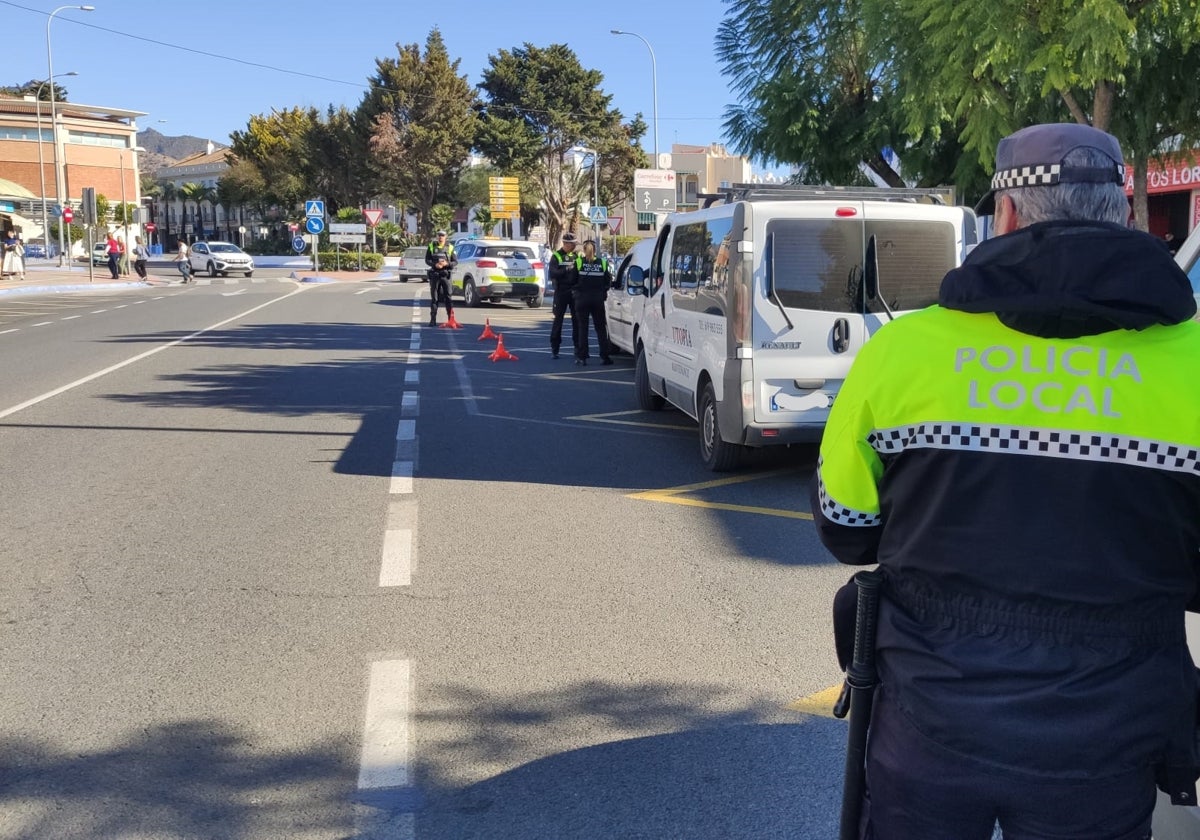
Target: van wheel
column 534, row 303
column 470, row 296
column 717, row 454
column 403, row 279
column 647, row 400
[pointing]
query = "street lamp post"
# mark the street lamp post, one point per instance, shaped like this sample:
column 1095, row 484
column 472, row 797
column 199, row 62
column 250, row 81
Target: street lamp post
column 653, row 84
column 37, row 101
column 595, row 185
column 58, row 166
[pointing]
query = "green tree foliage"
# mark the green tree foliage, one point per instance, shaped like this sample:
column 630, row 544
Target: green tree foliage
column 349, row 214
column 1007, row 63
column 31, row 88
column 243, row 184
column 440, row 216
column 420, row 115
column 540, row 103
column 191, row 193
column 388, row 234
column 124, row 214
column 484, row 218
column 277, row 145
column 337, row 158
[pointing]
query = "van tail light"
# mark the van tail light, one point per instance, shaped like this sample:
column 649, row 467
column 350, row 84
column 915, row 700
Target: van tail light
column 845, row 211
column 486, row 263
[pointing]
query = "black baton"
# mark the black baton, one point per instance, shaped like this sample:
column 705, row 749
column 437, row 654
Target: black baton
column 859, row 691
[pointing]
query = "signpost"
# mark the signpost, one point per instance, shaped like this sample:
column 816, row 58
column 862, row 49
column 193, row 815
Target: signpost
column 314, row 223
column 654, row 190
column 504, row 198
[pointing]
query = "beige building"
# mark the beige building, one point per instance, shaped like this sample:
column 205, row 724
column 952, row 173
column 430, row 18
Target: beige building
column 698, row 170
column 97, row 147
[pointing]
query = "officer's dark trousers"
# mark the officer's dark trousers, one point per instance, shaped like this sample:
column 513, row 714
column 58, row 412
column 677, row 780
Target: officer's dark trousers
column 439, row 292
column 564, row 302
column 920, row 790
column 590, row 308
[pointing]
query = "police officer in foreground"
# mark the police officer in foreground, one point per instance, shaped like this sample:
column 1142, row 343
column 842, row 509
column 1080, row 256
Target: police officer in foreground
column 1023, row 463
column 591, row 290
column 564, row 274
column 441, row 259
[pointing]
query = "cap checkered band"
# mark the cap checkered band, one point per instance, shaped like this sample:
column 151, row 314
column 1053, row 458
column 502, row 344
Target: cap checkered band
column 1026, row 176
column 841, row 514
column 1053, row 443
column 1054, row 173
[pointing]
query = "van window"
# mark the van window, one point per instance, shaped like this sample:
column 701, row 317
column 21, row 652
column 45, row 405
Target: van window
column 699, row 265
column 818, row 264
column 913, row 258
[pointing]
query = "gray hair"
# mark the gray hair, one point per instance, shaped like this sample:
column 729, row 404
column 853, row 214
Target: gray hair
column 1073, row 202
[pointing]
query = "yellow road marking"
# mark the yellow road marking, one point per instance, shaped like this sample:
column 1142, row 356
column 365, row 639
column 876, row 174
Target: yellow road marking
column 674, row 496
column 820, row 704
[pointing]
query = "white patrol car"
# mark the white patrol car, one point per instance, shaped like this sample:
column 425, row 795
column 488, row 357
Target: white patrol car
column 756, row 307
column 497, row 269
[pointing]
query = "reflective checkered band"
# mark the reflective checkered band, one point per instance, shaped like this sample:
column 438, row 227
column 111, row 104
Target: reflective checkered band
column 1026, row 176
column 841, row 514
column 1044, row 175
column 1052, row 443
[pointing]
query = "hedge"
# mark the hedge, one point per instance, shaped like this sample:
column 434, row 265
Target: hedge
column 348, row 261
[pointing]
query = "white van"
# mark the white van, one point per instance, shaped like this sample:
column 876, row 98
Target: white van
column 756, row 307
column 623, row 306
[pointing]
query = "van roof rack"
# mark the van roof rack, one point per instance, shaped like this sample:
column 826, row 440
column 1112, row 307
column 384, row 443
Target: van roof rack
column 789, row 192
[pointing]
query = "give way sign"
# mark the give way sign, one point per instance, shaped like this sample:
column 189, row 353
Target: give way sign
column 372, row 216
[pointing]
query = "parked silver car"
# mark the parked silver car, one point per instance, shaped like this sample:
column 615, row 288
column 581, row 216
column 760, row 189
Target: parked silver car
column 412, row 264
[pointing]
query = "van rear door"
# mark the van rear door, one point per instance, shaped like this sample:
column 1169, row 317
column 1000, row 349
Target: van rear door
column 814, row 308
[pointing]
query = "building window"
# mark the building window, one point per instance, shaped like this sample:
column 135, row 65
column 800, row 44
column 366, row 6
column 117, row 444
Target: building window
column 8, row 132
column 92, row 138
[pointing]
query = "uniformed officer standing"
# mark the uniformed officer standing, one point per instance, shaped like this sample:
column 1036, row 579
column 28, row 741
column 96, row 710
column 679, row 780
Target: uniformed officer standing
column 564, row 274
column 1023, row 463
column 590, row 293
column 441, row 259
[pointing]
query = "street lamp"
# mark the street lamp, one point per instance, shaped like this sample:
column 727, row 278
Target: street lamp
column 37, row 99
column 58, row 166
column 595, row 184
column 653, row 84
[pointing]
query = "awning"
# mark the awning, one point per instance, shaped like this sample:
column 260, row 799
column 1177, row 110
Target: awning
column 11, row 189
column 645, row 218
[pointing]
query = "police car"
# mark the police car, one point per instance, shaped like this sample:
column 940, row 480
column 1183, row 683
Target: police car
column 493, row 270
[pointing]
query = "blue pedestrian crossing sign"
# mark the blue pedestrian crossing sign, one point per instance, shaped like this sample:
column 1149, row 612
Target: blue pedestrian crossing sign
column 298, row 244
column 598, row 215
column 314, row 224
column 314, row 207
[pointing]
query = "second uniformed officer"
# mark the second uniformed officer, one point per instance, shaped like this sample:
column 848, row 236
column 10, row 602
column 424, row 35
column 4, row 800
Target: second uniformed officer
column 564, row 274
column 441, row 259
column 590, row 293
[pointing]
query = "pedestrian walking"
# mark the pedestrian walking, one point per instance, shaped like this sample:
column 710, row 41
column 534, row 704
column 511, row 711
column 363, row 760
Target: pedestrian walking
column 183, row 261
column 122, row 256
column 13, row 264
column 441, row 259
column 113, row 250
column 1021, row 460
column 591, row 290
column 141, row 255
column 564, row 275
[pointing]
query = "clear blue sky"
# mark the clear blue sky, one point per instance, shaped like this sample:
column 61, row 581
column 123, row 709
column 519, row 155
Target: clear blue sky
column 135, row 54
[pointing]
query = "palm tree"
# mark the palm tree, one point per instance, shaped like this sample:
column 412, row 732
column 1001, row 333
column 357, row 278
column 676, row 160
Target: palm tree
column 169, row 193
column 194, row 193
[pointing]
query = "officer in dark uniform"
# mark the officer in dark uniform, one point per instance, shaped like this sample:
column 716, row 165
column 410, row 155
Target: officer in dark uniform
column 441, row 259
column 590, row 293
column 564, row 275
column 1023, row 463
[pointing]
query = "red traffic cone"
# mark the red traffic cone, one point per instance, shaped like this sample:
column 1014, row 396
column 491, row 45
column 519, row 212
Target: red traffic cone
column 451, row 323
column 501, row 353
column 487, row 330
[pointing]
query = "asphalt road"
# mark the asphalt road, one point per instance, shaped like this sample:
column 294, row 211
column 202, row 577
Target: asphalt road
column 281, row 561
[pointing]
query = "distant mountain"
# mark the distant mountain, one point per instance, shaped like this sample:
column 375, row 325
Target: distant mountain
column 162, row 150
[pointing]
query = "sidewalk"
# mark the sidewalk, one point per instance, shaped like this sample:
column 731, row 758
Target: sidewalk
column 45, row 277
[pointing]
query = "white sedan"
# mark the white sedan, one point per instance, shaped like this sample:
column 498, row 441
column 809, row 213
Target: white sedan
column 220, row 258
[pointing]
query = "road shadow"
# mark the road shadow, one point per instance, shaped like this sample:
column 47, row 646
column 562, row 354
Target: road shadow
column 707, row 771
column 199, row 778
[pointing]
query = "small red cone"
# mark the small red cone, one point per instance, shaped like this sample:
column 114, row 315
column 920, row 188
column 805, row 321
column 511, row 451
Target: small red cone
column 501, row 353
column 451, row 323
column 487, row 330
